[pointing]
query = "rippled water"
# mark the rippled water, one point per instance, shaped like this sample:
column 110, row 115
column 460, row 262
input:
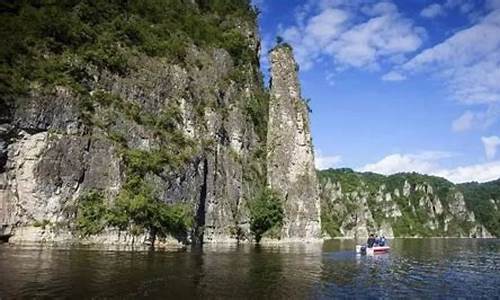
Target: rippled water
column 424, row 268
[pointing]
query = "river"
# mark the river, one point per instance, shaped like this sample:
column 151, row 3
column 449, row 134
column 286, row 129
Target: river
column 424, row 268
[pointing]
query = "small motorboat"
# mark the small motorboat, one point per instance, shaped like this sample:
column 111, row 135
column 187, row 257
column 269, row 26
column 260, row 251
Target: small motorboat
column 373, row 250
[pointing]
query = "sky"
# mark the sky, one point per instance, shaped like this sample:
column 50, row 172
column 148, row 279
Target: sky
column 397, row 85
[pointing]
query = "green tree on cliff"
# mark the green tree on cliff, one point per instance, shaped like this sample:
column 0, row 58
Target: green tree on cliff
column 266, row 213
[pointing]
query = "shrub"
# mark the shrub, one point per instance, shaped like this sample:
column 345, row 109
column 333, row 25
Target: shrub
column 329, row 223
column 41, row 224
column 91, row 214
column 266, row 213
column 137, row 207
column 255, row 108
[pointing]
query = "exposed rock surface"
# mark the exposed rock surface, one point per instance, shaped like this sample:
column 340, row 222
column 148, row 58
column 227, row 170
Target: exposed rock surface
column 356, row 204
column 290, row 158
column 196, row 129
column 50, row 154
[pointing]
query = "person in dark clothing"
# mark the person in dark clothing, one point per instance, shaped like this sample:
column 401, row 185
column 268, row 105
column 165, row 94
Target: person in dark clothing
column 371, row 241
column 382, row 241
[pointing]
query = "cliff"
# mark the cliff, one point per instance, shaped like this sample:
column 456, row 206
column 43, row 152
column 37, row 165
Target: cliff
column 137, row 122
column 147, row 123
column 290, row 159
column 403, row 205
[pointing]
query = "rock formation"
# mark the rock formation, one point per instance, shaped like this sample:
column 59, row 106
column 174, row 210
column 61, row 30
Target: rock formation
column 192, row 130
column 403, row 205
column 290, row 158
column 148, row 119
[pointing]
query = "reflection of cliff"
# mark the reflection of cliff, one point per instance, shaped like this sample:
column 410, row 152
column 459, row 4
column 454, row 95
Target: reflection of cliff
column 404, row 205
column 218, row 272
column 271, row 271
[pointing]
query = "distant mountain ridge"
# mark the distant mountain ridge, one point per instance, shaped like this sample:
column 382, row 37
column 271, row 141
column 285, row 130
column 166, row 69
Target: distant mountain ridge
column 355, row 204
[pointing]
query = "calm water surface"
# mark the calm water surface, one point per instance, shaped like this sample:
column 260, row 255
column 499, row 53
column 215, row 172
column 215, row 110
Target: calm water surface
column 423, row 268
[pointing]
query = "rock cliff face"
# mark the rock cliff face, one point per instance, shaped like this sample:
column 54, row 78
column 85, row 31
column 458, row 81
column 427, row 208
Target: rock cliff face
column 290, row 158
column 405, row 205
column 151, row 127
column 193, row 131
column 52, row 158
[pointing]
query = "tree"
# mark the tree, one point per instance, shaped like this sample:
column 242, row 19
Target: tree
column 266, row 212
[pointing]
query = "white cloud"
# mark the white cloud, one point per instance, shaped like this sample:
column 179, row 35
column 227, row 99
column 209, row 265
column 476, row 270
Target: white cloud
column 468, row 64
column 480, row 173
column 464, row 122
column 358, row 33
column 330, row 78
column 393, row 76
column 326, row 26
column 326, row 162
column 260, row 4
column 469, row 61
column 491, row 144
column 378, row 9
column 432, row 11
column 424, row 162
column 464, row 6
column 477, row 120
column 365, row 44
column 493, row 4
column 429, row 163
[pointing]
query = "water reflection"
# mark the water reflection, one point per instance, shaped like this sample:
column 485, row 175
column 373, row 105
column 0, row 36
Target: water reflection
column 424, row 268
column 260, row 272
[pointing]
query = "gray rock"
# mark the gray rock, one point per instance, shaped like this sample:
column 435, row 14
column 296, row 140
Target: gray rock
column 290, row 159
column 43, row 110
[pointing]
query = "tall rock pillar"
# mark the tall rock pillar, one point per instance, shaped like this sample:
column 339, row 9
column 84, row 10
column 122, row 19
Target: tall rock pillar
column 290, row 159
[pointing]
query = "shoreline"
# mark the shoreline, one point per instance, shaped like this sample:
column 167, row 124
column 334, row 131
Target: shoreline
column 212, row 245
column 115, row 240
column 413, row 237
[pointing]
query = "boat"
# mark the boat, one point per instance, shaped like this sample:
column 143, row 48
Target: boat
column 373, row 250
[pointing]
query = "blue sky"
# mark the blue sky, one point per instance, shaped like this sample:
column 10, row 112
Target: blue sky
column 408, row 85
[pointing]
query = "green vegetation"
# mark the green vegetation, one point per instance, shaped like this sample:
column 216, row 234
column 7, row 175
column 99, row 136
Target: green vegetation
column 68, row 42
column 43, row 224
column 256, row 108
column 92, row 214
column 484, row 200
column 415, row 217
column 351, row 181
column 281, row 44
column 133, row 212
column 266, row 213
column 137, row 207
column 330, row 221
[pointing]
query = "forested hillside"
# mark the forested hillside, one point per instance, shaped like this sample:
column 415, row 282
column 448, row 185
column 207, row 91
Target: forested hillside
column 407, row 204
column 484, row 200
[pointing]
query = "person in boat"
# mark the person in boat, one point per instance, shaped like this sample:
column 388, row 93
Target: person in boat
column 371, row 241
column 382, row 241
column 377, row 241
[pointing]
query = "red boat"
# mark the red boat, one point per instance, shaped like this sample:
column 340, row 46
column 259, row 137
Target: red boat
column 373, row 250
